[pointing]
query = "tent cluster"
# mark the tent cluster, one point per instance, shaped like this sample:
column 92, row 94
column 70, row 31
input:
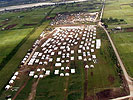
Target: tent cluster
column 42, row 72
column 59, row 49
column 12, row 80
column 75, row 18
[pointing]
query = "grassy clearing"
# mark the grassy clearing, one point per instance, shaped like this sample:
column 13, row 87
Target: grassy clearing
column 10, row 39
column 120, row 9
column 104, row 69
column 124, row 45
column 51, row 88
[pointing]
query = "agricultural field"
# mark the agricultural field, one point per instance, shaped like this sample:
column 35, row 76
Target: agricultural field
column 124, row 44
column 23, row 19
column 120, row 9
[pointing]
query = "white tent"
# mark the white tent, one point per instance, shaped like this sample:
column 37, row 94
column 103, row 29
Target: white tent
column 47, row 72
column 62, row 68
column 72, row 58
column 7, row 87
column 86, row 66
column 35, row 76
column 94, row 56
column 13, row 78
column 61, row 74
column 11, row 81
column 38, row 69
column 91, row 66
column 66, row 74
column 16, row 73
column 72, row 71
column 43, row 69
column 41, row 76
column 58, row 64
column 79, row 57
column 56, row 72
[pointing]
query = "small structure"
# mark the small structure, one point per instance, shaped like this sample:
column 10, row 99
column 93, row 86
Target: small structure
column 79, row 57
column 41, row 76
column 47, row 72
column 91, row 66
column 57, row 64
column 56, row 72
column 86, row 66
column 72, row 71
column 7, row 87
column 66, row 74
column 35, row 76
column 61, row 74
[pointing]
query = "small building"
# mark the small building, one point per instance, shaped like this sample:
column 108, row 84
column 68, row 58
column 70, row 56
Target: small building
column 79, row 57
column 47, row 72
column 91, row 66
column 72, row 71
column 86, row 66
column 61, row 74
column 41, row 76
column 58, row 64
column 56, row 72
column 66, row 74
column 35, row 76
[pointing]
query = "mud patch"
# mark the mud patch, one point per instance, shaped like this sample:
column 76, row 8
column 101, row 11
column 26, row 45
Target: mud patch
column 129, row 29
column 10, row 26
column 29, row 24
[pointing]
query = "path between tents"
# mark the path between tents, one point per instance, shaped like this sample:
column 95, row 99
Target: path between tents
column 20, row 89
column 33, row 90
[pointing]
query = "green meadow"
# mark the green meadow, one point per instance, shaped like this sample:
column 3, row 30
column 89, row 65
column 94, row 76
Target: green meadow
column 120, row 9
column 124, row 45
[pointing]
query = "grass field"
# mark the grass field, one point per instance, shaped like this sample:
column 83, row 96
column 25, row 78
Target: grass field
column 124, row 45
column 9, row 40
column 120, row 9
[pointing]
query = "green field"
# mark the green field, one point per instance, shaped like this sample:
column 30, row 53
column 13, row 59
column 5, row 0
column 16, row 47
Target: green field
column 10, row 39
column 124, row 45
column 32, row 17
column 121, row 9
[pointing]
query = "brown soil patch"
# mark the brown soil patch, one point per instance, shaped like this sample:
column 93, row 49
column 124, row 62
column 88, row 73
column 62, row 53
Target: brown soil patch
column 29, row 24
column 10, row 26
column 110, row 94
column 129, row 29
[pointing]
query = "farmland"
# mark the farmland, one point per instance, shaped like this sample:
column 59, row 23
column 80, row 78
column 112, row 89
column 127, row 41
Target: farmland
column 123, row 42
column 119, row 9
column 122, row 9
